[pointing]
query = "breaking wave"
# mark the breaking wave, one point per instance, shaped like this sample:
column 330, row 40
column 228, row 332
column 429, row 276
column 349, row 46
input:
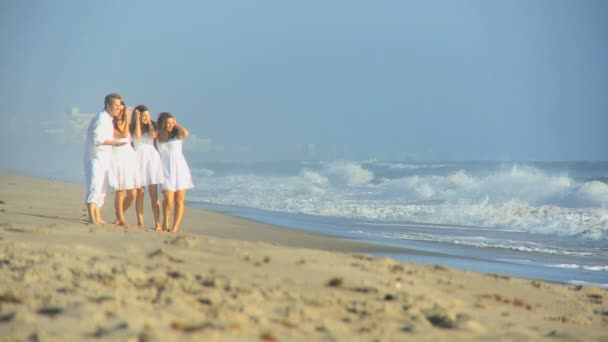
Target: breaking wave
column 517, row 196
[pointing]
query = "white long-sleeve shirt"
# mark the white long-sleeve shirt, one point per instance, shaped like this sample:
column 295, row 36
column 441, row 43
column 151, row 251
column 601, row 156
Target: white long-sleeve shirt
column 100, row 129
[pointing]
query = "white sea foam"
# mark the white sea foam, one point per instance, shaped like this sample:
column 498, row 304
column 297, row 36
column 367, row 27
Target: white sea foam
column 515, row 197
column 593, row 193
column 596, row 268
column 484, row 242
column 412, row 166
column 568, row 266
column 583, row 267
column 202, row 172
column 348, row 173
column 478, row 242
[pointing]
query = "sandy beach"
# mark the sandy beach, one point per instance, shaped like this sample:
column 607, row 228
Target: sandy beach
column 224, row 278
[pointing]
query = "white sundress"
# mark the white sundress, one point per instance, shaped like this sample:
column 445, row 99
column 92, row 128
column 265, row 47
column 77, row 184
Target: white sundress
column 176, row 172
column 150, row 168
column 124, row 173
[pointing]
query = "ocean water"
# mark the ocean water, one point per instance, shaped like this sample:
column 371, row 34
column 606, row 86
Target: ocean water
column 537, row 220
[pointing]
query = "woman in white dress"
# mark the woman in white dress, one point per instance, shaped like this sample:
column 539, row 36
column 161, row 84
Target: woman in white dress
column 176, row 173
column 124, row 173
column 150, row 168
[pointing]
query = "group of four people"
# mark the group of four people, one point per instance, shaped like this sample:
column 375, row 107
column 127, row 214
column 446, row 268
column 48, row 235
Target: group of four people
column 129, row 152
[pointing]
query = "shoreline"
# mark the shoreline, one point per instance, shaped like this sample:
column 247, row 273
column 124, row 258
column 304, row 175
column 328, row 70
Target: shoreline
column 203, row 221
column 228, row 278
column 503, row 262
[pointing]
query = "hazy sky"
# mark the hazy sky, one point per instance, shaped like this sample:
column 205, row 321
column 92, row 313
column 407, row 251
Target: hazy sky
column 441, row 80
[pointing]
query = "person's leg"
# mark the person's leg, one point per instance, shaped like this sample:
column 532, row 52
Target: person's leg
column 155, row 206
column 102, row 196
column 179, row 210
column 167, row 206
column 93, row 173
column 98, row 216
column 92, row 211
column 131, row 194
column 119, row 202
column 139, row 206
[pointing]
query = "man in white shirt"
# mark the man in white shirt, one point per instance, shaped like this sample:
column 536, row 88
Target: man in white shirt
column 98, row 156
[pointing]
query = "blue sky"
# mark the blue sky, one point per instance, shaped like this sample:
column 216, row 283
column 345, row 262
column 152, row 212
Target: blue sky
column 438, row 80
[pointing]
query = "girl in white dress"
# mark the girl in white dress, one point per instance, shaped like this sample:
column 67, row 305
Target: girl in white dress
column 124, row 173
column 176, row 173
column 150, row 168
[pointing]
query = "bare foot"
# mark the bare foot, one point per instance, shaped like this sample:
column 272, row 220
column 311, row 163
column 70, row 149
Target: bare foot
column 174, row 231
column 122, row 224
column 101, row 222
column 158, row 227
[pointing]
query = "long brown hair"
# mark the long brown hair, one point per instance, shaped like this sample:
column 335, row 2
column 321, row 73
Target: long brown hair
column 163, row 135
column 144, row 128
column 121, row 123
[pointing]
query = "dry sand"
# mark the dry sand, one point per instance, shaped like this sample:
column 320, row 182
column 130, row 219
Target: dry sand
column 228, row 279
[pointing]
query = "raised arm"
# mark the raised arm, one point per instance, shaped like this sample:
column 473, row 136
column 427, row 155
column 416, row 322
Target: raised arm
column 152, row 129
column 122, row 125
column 113, row 143
column 182, row 133
column 137, row 125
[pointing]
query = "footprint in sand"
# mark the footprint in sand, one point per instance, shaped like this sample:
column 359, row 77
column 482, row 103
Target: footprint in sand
column 50, row 311
column 183, row 241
